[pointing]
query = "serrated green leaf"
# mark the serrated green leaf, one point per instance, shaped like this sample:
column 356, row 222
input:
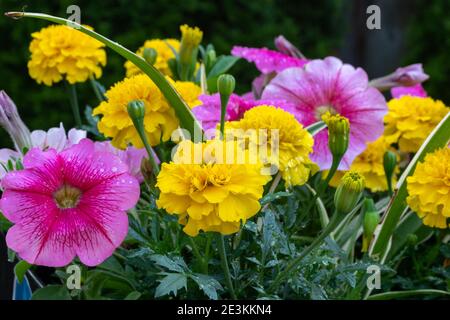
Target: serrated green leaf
column 175, row 264
column 171, row 283
column 207, row 284
column 274, row 196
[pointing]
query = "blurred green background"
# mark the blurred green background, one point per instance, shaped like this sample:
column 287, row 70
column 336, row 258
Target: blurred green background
column 412, row 31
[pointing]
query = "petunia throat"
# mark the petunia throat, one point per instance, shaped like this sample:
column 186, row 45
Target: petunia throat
column 320, row 111
column 67, row 197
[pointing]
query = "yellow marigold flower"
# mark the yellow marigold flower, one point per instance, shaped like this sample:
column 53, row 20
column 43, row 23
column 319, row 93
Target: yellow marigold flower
column 429, row 189
column 159, row 121
column 294, row 142
column 209, row 194
column 164, row 49
column 190, row 92
column 411, row 119
column 370, row 165
column 59, row 52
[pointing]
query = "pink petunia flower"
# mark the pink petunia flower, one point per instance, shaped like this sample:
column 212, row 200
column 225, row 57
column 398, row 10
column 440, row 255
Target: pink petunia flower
column 416, row 91
column 131, row 156
column 67, row 204
column 329, row 85
column 402, row 77
column 266, row 60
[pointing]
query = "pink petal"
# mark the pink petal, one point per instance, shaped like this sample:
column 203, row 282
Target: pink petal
column 39, row 138
column 416, row 91
column 75, row 136
column 266, row 60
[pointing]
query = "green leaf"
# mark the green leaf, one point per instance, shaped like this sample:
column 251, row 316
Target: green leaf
column 407, row 293
column 52, row 292
column 182, row 110
column 207, row 284
column 135, row 295
column 176, row 264
column 274, row 196
column 172, row 282
column 437, row 139
column 21, row 269
column 222, row 65
column 316, row 127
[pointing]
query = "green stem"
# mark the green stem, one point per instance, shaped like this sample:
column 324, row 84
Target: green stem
column 141, row 131
column 335, row 219
column 224, row 261
column 333, row 169
column 73, row 99
column 199, row 256
column 223, row 110
column 96, row 90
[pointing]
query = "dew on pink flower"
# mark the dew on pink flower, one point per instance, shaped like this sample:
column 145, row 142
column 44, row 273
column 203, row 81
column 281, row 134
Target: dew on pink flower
column 63, row 205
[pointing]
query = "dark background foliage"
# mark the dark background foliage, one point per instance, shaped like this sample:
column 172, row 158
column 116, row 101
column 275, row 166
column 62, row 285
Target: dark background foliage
column 412, row 31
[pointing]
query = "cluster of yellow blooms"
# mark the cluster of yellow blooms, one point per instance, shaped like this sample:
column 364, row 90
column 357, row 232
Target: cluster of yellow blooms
column 60, row 52
column 210, row 194
column 160, row 119
column 294, row 143
column 411, row 119
column 429, row 189
column 164, row 50
column 370, row 165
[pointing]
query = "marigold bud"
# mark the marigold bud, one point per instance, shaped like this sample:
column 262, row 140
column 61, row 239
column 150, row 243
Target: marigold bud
column 348, row 192
column 370, row 222
column 389, row 163
column 136, row 110
column 226, row 84
column 150, row 55
column 338, row 134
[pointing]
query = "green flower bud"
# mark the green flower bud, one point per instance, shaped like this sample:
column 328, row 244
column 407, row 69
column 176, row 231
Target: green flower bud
column 211, row 57
column 338, row 134
column 389, row 163
column 150, row 55
column 412, row 239
column 370, row 221
column 226, row 84
column 136, row 110
column 348, row 192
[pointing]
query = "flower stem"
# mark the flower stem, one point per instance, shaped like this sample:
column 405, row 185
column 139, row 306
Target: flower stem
column 72, row 92
column 96, row 89
column 317, row 242
column 226, row 270
column 223, row 110
column 140, row 129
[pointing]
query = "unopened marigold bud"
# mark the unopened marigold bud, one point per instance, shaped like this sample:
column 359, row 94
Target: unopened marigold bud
column 338, row 134
column 136, row 110
column 389, row 163
column 150, row 55
column 348, row 192
column 226, row 84
column 370, row 221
